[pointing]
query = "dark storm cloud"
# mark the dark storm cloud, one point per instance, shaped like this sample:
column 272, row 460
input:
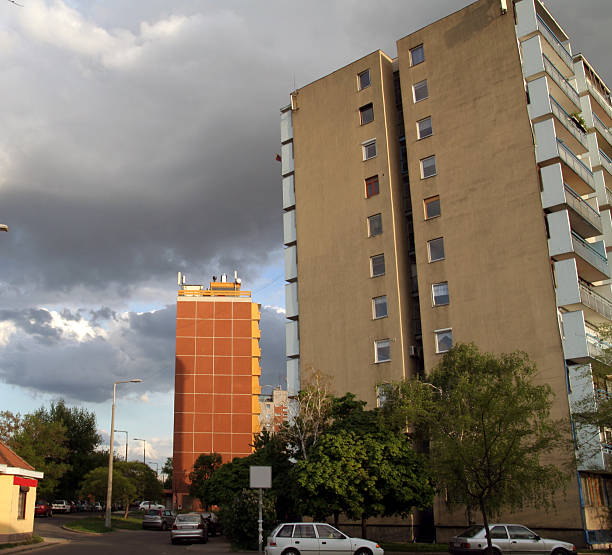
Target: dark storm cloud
column 272, row 342
column 34, row 322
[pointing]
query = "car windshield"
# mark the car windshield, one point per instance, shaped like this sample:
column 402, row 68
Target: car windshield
column 154, row 512
column 470, row 532
column 188, row 518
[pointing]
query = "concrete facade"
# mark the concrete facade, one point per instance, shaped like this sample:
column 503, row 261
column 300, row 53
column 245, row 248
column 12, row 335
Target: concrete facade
column 503, row 242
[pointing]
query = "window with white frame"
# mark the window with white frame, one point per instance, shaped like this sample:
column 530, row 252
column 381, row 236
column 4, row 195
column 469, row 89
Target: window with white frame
column 417, row 55
column 377, row 265
column 439, row 293
column 432, row 207
column 382, row 350
column 369, row 149
column 435, row 249
column 420, row 91
column 366, row 114
column 382, row 394
column 424, row 128
column 379, row 307
column 444, row 340
column 375, row 225
column 364, row 79
column 428, row 167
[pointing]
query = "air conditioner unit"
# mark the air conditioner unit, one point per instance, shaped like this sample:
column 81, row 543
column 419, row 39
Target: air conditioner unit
column 413, row 351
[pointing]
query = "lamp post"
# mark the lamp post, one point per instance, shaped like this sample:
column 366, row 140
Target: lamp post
column 144, row 449
column 126, row 441
column 109, row 489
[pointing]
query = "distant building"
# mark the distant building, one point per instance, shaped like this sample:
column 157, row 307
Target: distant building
column 459, row 192
column 18, row 483
column 274, row 410
column 216, row 407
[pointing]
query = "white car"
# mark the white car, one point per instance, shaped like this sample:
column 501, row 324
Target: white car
column 506, row 538
column 61, row 506
column 294, row 538
column 146, row 505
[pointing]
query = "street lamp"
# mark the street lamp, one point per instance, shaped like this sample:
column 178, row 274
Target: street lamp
column 126, row 441
column 144, row 449
column 109, row 489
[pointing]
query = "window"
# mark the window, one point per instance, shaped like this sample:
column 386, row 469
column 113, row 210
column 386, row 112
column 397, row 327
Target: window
column 428, row 167
column 432, row 207
column 327, row 532
column 366, row 114
column 424, row 128
column 444, row 340
column 364, row 79
column 372, row 186
column 435, row 249
column 382, row 393
column 304, row 531
column 369, row 149
column 21, row 506
column 286, row 531
column 375, row 225
column 520, row 533
column 420, row 91
column 377, row 265
column 379, row 307
column 439, row 293
column 499, row 533
column 417, row 55
column 382, row 350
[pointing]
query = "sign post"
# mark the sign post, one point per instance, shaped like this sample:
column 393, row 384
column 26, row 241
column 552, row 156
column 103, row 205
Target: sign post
column 260, row 478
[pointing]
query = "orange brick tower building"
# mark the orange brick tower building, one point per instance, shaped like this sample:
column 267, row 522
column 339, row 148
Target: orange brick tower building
column 216, row 405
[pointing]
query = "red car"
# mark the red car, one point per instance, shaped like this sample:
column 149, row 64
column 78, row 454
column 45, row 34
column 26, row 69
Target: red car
column 42, row 508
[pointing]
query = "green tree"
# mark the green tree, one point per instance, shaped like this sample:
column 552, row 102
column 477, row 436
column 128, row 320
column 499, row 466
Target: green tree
column 203, row 469
column 10, row 424
column 167, row 470
column 489, row 429
column 95, row 485
column 143, row 477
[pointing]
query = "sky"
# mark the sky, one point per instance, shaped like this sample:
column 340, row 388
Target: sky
column 137, row 140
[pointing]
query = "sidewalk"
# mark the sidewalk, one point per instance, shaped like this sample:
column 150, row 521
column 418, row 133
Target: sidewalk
column 47, row 542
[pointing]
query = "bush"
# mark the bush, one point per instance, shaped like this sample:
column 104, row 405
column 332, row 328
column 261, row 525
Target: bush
column 239, row 518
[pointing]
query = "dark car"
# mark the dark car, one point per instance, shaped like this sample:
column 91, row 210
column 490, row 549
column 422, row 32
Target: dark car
column 160, row 519
column 212, row 521
column 42, row 508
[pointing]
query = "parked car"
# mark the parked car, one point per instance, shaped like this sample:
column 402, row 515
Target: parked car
column 42, row 508
column 146, row 505
column 212, row 521
column 61, row 506
column 312, row 537
column 161, row 519
column 189, row 526
column 506, row 538
column 98, row 507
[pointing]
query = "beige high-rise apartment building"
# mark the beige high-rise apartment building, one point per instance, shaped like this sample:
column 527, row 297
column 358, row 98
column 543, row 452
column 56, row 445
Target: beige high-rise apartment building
column 459, row 192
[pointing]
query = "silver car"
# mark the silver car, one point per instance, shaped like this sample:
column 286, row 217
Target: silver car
column 506, row 539
column 158, row 518
column 316, row 537
column 189, row 526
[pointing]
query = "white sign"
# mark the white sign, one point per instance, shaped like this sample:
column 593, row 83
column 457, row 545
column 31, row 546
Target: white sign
column 260, row 476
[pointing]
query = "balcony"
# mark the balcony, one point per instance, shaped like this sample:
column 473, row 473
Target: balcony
column 555, row 43
column 603, row 104
column 597, row 309
column 577, row 166
column 562, row 84
column 583, row 217
column 570, row 133
column 596, row 267
column 602, row 130
column 578, row 346
column 606, row 162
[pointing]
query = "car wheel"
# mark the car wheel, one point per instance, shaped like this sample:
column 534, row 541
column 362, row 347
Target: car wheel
column 560, row 551
column 164, row 526
column 291, row 551
column 363, row 551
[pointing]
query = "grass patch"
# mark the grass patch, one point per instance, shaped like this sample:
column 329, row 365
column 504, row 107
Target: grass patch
column 96, row 524
column 414, row 547
column 31, row 541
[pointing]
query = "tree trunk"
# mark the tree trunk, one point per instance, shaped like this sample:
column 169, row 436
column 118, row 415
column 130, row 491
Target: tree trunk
column 364, row 527
column 485, row 521
column 336, row 518
column 127, row 510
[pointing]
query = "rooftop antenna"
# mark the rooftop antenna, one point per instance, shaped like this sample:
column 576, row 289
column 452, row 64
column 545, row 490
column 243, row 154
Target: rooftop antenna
column 214, row 278
column 179, row 278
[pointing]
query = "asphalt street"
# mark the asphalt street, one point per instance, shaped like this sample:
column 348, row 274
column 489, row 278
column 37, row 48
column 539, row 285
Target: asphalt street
column 120, row 542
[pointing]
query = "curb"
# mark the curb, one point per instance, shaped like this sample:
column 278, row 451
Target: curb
column 87, row 533
column 46, row 543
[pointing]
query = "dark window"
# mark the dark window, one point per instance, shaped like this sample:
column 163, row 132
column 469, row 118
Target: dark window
column 435, row 249
column 304, row 531
column 444, row 341
column 366, row 114
column 417, row 55
column 520, row 533
column 424, row 128
column 420, row 90
column 375, row 225
column 372, row 187
column 499, row 533
column 428, row 167
column 286, row 531
column 379, row 307
column 364, row 79
column 21, row 507
column 329, row 533
column 432, row 207
column 382, row 350
column 369, row 149
column 439, row 292
column 377, row 265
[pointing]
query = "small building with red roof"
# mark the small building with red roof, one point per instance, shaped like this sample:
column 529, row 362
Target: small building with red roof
column 18, row 482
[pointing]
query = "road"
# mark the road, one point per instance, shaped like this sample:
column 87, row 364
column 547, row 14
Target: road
column 120, row 542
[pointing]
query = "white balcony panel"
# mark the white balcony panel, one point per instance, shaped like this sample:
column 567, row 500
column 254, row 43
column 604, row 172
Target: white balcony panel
column 526, row 21
column 286, row 126
column 566, row 279
column 606, row 227
column 291, row 300
column 287, row 158
column 539, row 98
column 583, row 397
column 288, row 192
column 602, row 105
column 575, row 344
column 292, row 342
column 560, row 241
column 289, row 231
column 290, row 263
column 546, row 140
column 533, row 62
column 552, row 193
column 293, row 376
column 603, row 189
